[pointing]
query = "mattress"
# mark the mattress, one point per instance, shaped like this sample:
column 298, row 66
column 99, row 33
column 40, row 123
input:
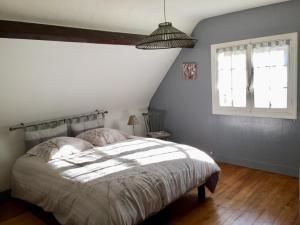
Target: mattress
column 119, row 184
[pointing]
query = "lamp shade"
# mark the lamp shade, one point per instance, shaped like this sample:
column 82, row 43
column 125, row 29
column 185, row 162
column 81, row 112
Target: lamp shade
column 133, row 120
column 166, row 36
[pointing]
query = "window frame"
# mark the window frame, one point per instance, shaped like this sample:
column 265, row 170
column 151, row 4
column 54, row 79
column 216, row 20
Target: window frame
column 290, row 112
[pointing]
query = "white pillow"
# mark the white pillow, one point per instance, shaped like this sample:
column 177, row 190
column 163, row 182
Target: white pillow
column 103, row 136
column 59, row 147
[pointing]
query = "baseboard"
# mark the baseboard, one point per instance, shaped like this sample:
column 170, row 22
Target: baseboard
column 4, row 195
column 265, row 166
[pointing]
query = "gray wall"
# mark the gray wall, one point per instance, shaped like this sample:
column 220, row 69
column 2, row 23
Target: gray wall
column 263, row 143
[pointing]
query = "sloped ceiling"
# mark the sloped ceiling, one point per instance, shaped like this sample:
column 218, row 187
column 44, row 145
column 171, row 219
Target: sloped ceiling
column 47, row 79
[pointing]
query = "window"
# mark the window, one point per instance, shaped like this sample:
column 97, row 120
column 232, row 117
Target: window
column 256, row 77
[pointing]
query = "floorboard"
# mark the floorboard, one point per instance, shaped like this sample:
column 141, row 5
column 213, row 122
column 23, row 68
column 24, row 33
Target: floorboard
column 243, row 197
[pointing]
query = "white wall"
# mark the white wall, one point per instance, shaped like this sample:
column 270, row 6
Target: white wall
column 43, row 80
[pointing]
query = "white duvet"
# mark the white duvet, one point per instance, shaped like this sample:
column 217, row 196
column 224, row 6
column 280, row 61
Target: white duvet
column 119, row 184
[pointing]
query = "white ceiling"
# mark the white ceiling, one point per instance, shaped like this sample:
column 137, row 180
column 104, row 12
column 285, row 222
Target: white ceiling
column 137, row 16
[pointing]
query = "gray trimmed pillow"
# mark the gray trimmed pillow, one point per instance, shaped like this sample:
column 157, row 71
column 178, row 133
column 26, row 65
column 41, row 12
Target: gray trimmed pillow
column 59, row 147
column 79, row 127
column 33, row 138
column 103, row 136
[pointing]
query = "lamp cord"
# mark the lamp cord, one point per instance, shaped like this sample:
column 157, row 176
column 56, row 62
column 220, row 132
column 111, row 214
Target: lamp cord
column 165, row 10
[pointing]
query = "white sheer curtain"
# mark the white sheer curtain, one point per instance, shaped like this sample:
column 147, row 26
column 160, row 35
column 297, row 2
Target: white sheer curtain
column 270, row 72
column 232, row 76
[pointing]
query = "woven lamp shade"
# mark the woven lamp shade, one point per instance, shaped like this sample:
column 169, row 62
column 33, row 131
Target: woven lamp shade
column 133, row 120
column 166, row 36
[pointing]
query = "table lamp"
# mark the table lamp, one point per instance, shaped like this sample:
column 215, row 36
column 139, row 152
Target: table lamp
column 133, row 120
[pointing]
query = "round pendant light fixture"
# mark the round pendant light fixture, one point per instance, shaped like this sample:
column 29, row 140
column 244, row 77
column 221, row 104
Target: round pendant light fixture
column 166, row 36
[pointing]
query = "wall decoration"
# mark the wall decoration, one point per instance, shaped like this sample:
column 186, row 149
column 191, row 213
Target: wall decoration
column 189, row 71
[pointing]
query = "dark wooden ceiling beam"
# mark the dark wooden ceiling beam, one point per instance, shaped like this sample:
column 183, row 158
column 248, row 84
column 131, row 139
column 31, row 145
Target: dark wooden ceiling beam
column 22, row 30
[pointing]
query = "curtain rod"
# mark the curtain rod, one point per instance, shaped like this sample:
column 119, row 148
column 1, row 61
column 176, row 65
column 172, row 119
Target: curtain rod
column 22, row 125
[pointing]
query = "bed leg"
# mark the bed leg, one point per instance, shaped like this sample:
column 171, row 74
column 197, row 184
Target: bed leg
column 201, row 193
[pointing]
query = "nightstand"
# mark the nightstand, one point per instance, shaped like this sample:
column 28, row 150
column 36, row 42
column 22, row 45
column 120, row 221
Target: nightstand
column 159, row 135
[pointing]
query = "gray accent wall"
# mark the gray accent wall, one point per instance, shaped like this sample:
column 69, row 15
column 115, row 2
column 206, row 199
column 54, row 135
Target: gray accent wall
column 262, row 143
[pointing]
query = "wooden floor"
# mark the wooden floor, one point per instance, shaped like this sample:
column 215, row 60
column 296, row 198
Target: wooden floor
column 243, row 197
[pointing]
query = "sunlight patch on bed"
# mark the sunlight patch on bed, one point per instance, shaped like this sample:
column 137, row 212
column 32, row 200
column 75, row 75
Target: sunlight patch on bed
column 103, row 165
column 99, row 162
column 126, row 147
column 58, row 164
column 85, row 175
column 95, row 169
column 161, row 158
column 104, row 172
column 195, row 153
column 152, row 152
column 169, row 153
column 65, row 150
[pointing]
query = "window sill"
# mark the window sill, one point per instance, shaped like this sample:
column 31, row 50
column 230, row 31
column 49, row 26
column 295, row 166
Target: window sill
column 256, row 113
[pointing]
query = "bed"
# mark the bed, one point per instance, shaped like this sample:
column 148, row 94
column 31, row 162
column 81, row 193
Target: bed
column 122, row 182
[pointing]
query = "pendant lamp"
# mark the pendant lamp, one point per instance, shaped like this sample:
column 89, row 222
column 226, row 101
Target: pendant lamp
column 166, row 36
